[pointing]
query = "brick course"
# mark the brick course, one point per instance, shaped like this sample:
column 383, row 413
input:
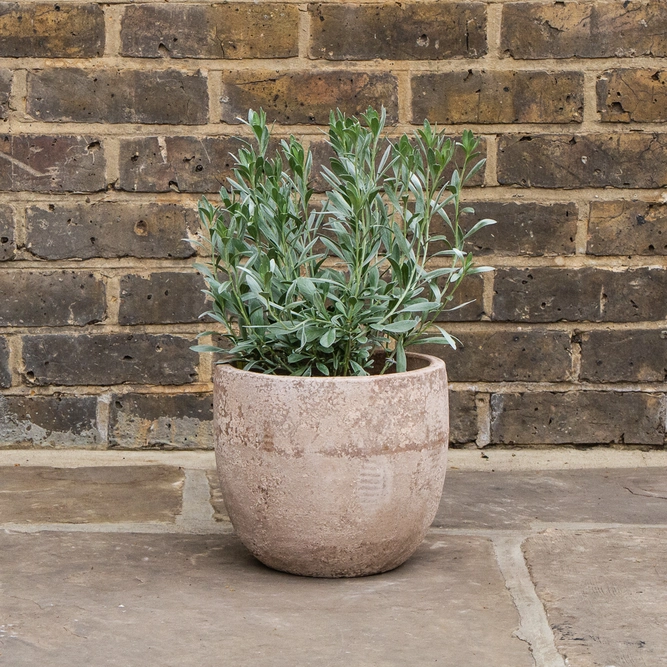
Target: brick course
column 115, row 118
column 161, row 298
column 106, row 359
column 463, row 417
column 544, row 294
column 5, row 373
column 579, row 161
column 7, row 240
column 51, row 298
column 627, row 228
column 306, row 97
column 183, row 421
column 118, row 96
column 233, row 31
column 45, row 30
column 630, row 355
column 506, row 356
column 632, row 95
column 56, row 163
column 584, row 29
column 478, row 96
column 109, row 229
column 410, row 31
column 181, row 164
column 528, row 228
column 49, row 421
column 578, row 417
column 5, row 90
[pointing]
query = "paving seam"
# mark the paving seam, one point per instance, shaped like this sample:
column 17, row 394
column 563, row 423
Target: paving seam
column 540, row 526
column 196, row 505
column 534, row 627
column 191, row 528
column 224, row 527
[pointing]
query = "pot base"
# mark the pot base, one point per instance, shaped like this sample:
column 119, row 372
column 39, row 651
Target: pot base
column 330, row 562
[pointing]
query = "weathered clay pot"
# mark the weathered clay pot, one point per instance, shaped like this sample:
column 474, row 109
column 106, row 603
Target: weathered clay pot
column 332, row 477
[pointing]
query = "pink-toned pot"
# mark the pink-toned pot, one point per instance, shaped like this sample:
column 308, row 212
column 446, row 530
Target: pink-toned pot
column 332, row 477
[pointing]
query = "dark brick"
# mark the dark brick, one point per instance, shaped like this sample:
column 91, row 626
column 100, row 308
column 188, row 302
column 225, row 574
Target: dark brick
column 523, row 228
column 118, row 96
column 230, row 31
column 637, row 95
column 634, row 355
column 7, row 239
column 5, row 373
column 5, row 91
column 109, row 229
column 577, row 417
column 185, row 164
column 462, row 417
column 50, row 298
column 49, row 421
column 584, row 29
column 471, row 289
column 47, row 30
column 547, row 294
column 505, row 356
column 166, row 297
column 51, row 164
column 141, row 421
column 412, row 31
column 627, row 228
column 322, row 154
column 574, row 161
column 480, row 96
column 307, row 97
column 102, row 359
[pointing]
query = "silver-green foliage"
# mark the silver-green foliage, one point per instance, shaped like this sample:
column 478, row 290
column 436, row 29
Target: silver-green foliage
column 305, row 289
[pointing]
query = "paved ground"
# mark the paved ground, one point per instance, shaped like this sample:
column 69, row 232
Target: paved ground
column 113, row 559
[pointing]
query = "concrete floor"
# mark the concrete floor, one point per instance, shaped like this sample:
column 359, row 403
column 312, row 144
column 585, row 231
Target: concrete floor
column 111, row 558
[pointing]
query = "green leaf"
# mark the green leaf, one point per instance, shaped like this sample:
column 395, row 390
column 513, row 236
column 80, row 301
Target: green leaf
column 402, row 326
column 206, row 348
column 420, row 307
column 306, row 287
column 450, row 339
column 401, row 360
column 329, row 338
column 479, row 225
column 357, row 368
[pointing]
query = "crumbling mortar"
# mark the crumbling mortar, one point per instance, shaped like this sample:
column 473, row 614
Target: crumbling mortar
column 98, row 390
column 113, row 15
column 304, row 33
column 501, row 194
column 16, row 368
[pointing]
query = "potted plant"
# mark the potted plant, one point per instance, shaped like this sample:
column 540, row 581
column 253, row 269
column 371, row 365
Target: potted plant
column 331, row 438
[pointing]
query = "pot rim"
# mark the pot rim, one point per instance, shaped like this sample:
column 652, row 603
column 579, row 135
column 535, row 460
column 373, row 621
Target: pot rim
column 434, row 364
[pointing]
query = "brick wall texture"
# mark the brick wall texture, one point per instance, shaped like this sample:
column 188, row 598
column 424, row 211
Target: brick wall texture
column 115, row 118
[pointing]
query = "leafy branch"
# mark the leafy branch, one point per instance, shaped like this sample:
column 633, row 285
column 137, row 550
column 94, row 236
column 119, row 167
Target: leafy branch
column 321, row 289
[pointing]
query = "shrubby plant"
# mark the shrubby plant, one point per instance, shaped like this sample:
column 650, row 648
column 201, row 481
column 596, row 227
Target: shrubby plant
column 328, row 288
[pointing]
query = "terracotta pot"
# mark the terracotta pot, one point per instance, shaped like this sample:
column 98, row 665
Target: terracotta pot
column 332, row 477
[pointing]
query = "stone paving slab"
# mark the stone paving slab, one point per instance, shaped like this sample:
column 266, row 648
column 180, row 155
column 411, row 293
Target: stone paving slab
column 515, row 500
column 605, row 594
column 90, row 494
column 99, row 599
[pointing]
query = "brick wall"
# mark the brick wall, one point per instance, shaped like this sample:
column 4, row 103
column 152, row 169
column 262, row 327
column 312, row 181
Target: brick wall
column 115, row 117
